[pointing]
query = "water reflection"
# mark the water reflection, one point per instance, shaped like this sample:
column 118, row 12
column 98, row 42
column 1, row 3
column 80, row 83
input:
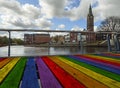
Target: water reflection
column 36, row 51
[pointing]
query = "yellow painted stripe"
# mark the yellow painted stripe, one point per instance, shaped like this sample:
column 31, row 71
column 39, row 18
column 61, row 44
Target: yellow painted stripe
column 7, row 68
column 112, row 53
column 81, row 77
column 105, row 58
column 103, row 79
column 4, row 62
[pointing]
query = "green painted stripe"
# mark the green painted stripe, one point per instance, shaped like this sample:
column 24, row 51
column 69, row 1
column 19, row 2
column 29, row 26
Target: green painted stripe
column 95, row 69
column 111, row 57
column 14, row 77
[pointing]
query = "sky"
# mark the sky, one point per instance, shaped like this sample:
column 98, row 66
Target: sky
column 54, row 14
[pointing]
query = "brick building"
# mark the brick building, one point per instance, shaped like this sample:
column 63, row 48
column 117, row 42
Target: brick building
column 28, row 38
column 73, row 37
column 36, row 38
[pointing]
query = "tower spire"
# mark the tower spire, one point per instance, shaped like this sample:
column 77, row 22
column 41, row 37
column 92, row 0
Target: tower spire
column 90, row 10
column 90, row 20
column 90, row 26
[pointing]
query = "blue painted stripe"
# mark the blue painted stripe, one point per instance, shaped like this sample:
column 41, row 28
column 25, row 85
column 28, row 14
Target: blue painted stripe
column 30, row 79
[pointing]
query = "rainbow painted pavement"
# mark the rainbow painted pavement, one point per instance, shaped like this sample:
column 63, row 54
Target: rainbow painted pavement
column 65, row 71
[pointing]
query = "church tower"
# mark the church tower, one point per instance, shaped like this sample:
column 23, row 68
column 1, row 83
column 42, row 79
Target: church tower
column 91, row 37
column 90, row 20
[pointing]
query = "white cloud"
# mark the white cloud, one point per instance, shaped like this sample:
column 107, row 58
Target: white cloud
column 52, row 8
column 56, row 8
column 31, row 11
column 61, row 26
column 42, row 22
column 77, row 28
column 17, row 35
column 15, row 8
column 14, row 15
column 10, row 6
column 95, row 29
column 16, row 22
column 106, row 8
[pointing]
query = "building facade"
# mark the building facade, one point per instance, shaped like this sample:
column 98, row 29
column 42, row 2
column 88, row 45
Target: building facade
column 73, row 37
column 36, row 38
column 28, row 38
column 67, row 38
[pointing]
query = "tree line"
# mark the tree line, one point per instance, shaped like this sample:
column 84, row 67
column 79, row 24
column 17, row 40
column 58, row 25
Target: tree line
column 5, row 40
column 111, row 23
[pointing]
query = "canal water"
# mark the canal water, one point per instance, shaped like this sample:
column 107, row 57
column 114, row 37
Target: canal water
column 38, row 51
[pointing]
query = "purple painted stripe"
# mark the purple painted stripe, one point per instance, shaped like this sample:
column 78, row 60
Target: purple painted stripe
column 47, row 79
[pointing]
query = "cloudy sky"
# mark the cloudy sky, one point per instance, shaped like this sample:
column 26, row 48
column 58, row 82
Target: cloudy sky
column 54, row 14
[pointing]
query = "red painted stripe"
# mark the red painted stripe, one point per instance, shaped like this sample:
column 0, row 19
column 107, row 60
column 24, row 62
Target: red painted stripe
column 65, row 78
column 111, row 54
column 99, row 60
column 1, row 59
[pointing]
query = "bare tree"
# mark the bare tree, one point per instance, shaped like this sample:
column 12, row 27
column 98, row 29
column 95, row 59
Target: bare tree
column 110, row 24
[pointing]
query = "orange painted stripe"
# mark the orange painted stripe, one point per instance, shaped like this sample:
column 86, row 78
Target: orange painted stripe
column 114, row 54
column 4, row 62
column 81, row 77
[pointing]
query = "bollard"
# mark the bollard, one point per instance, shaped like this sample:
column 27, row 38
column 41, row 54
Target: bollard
column 9, row 43
column 109, row 45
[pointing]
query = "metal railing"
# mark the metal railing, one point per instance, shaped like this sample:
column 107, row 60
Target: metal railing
column 115, row 36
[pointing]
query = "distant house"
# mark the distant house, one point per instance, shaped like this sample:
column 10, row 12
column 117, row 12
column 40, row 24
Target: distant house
column 36, row 38
column 73, row 37
column 67, row 38
column 61, row 40
column 103, row 36
column 28, row 38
